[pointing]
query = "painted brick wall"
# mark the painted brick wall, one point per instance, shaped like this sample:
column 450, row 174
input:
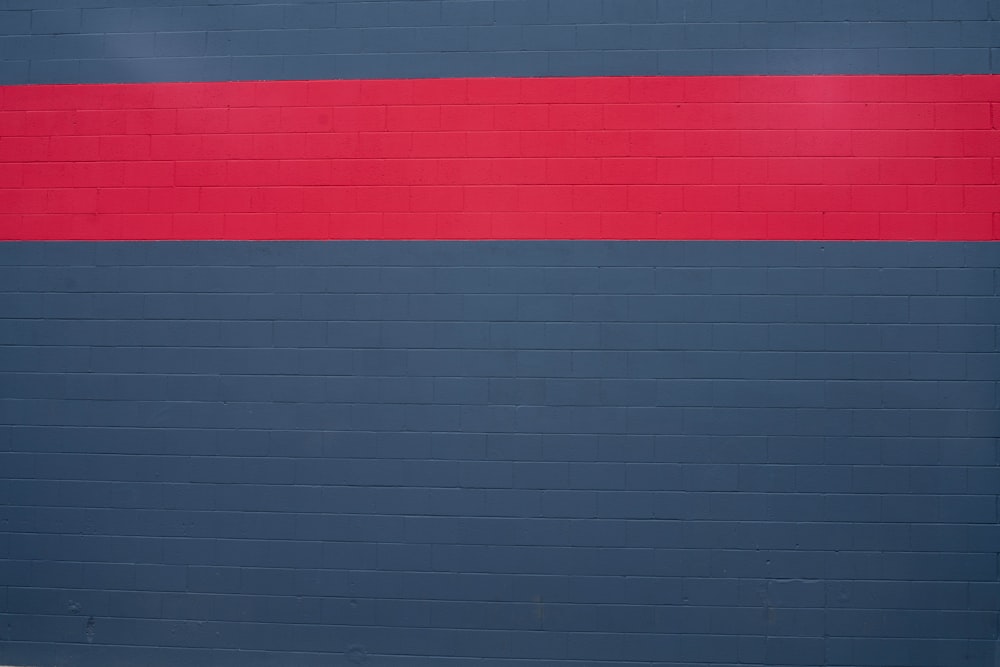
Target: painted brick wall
column 221, row 448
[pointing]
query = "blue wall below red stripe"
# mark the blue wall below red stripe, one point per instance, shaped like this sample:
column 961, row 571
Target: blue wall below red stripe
column 735, row 453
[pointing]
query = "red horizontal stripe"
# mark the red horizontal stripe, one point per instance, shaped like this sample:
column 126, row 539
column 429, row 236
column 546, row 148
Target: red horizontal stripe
column 866, row 157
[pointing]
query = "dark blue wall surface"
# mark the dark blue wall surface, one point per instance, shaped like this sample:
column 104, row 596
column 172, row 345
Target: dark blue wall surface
column 405, row 453
column 72, row 41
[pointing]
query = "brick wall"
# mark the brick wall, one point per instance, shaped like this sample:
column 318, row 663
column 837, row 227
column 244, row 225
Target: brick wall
column 218, row 447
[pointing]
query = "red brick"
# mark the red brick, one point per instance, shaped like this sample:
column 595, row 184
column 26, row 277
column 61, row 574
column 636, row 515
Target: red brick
column 767, row 198
column 302, row 226
column 255, row 120
column 795, row 225
column 628, row 171
column 463, row 225
column 629, row 226
column 934, row 143
column 963, row 171
column 848, row 171
column 601, row 197
column 250, row 225
column 684, row 171
column 341, row 145
column 151, row 121
column 174, row 200
column 11, row 175
column 982, row 198
column 655, row 198
column 333, row 93
column 149, row 174
column 175, row 147
column 467, row 117
column 739, row 226
column 122, row 200
column 579, row 225
column 124, row 147
column 767, row 89
column 739, row 171
column 71, row 200
column 367, row 225
column 521, row 117
column 822, row 88
column 681, row 225
column 591, row 144
column 440, row 91
column 280, row 146
column 414, row 118
column 465, row 171
column 495, row 91
column 980, row 143
column 822, row 198
column 551, row 143
column 712, row 143
column 521, row 171
column 907, row 226
column 878, row 198
column 850, row 226
column 226, row 200
column 493, row 144
column 526, row 226
column 13, row 227
column 47, row 123
column 489, row 198
column 545, row 198
column 967, row 226
column 936, row 199
column 797, row 171
column 632, row 117
column 711, row 198
column 439, row 144
column 711, row 88
column 906, row 171
column 905, row 116
column 387, row 91
column 198, row 226
column 278, row 200
column 34, row 149
column 962, row 116
column 767, row 143
column 880, row 143
column 201, row 172
column 823, row 143
column 656, row 89
column 384, row 198
column 576, row 116
column 228, row 146
column 359, row 119
column 429, row 198
column 572, row 171
column 202, row 121
column 656, row 143
column 330, row 199
column 304, row 172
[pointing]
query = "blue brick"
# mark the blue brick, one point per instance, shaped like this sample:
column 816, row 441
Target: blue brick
column 906, row 61
column 974, row 10
column 683, row 62
column 49, row 21
column 629, row 11
column 520, row 12
column 680, row 11
column 467, row 13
